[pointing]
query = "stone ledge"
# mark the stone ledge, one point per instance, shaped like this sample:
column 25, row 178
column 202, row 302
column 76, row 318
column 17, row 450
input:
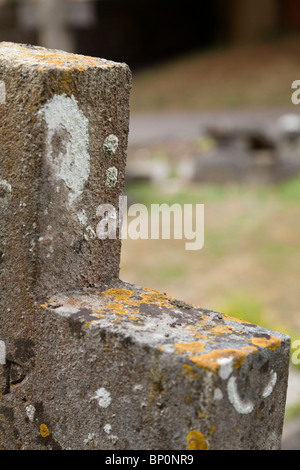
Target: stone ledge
column 41, row 58
column 170, row 375
column 151, row 318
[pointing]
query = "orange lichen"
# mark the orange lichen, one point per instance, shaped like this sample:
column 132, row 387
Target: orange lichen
column 188, row 370
column 118, row 308
column 210, row 361
column 192, row 347
column 44, row 431
column 118, row 294
column 196, row 441
column 197, row 334
column 155, row 298
column 59, row 58
column 249, row 349
column 222, row 330
column 269, row 342
column 133, row 318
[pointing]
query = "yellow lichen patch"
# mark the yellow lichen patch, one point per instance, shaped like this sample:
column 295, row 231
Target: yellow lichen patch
column 118, row 308
column 92, row 322
column 133, row 318
column 270, row 342
column 210, row 361
column 212, row 430
column 153, row 297
column 249, row 349
column 222, row 330
column 187, row 400
column 188, row 370
column 44, row 431
column 197, row 334
column 193, row 347
column 59, row 58
column 79, row 67
column 196, row 441
column 118, row 294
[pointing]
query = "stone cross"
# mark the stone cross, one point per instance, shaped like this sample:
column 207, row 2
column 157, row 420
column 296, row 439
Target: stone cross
column 92, row 362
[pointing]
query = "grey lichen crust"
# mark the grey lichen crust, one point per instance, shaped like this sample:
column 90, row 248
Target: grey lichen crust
column 224, row 369
column 110, row 145
column 111, row 177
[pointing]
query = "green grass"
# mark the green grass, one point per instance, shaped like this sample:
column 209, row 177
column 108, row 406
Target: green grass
column 246, row 307
column 245, row 228
column 289, row 191
column 146, row 193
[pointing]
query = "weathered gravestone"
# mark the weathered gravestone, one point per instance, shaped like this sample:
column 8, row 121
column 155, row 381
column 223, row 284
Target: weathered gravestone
column 91, row 361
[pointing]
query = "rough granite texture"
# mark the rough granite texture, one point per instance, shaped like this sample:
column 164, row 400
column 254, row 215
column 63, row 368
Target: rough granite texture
column 91, row 361
column 58, row 113
column 124, row 367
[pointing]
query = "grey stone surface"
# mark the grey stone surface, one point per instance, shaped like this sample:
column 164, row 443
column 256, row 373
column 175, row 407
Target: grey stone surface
column 57, row 112
column 113, row 366
column 123, row 367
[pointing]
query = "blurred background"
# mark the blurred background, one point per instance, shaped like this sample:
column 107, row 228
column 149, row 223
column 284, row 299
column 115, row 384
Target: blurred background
column 213, row 123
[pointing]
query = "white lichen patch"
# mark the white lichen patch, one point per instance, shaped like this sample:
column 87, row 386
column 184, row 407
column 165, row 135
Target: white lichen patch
column 30, row 411
column 218, row 394
column 107, row 428
column 5, row 186
column 2, row 353
column 242, row 407
column 90, row 437
column 82, row 217
column 2, row 92
column 103, row 397
column 110, row 145
column 111, row 177
column 89, row 234
column 137, row 387
column 67, row 142
column 270, row 385
column 226, row 367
